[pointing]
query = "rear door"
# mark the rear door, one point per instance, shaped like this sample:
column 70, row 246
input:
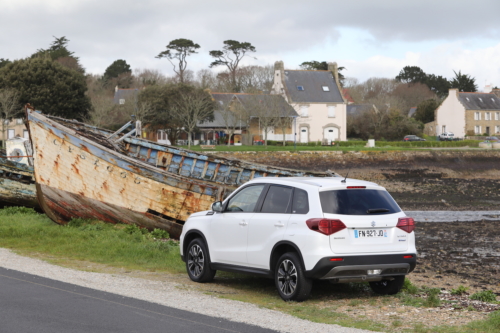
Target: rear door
column 370, row 215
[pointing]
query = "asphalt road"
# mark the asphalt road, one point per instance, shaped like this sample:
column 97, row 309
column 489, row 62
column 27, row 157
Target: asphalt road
column 29, row 303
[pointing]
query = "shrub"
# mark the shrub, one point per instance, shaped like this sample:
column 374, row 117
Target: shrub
column 409, row 287
column 484, row 296
column 160, row 234
column 77, row 223
column 7, row 211
column 459, row 291
column 432, row 300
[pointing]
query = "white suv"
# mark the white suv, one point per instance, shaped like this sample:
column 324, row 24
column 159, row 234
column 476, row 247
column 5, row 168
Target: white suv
column 299, row 229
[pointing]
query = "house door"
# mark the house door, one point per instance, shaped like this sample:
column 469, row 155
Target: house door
column 331, row 134
column 487, row 130
column 304, row 135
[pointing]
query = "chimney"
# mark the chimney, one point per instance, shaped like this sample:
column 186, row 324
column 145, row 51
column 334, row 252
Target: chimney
column 279, row 66
column 332, row 67
column 116, row 88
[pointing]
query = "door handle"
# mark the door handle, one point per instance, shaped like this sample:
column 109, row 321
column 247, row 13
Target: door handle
column 279, row 225
column 243, row 223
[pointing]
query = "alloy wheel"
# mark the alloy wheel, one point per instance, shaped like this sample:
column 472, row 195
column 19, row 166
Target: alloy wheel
column 196, row 260
column 287, row 277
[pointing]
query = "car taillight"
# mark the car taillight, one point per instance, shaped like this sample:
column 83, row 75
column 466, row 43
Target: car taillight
column 325, row 226
column 406, row 223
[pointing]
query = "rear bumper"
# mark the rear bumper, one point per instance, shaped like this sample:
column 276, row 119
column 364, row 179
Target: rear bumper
column 354, row 268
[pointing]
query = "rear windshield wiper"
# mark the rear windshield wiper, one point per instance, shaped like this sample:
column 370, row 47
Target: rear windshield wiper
column 377, row 210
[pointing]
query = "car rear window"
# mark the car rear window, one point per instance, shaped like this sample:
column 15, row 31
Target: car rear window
column 358, row 202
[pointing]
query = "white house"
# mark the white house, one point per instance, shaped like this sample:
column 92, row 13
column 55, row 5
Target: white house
column 317, row 98
column 468, row 113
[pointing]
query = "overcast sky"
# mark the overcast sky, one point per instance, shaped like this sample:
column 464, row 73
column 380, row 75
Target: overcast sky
column 371, row 38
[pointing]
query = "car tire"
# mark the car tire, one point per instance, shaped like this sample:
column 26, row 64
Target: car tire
column 388, row 287
column 290, row 280
column 198, row 263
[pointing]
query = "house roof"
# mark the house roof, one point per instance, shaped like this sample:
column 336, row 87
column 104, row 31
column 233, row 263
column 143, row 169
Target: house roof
column 412, row 111
column 124, row 94
column 271, row 102
column 358, row 109
column 307, row 86
column 220, row 122
column 479, row 101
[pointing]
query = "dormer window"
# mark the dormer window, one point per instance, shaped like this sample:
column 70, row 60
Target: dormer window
column 480, row 99
column 493, row 100
column 467, row 98
column 326, row 88
column 300, row 88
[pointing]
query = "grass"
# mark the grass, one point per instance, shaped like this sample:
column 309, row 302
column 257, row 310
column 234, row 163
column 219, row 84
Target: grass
column 346, row 146
column 131, row 248
column 26, row 231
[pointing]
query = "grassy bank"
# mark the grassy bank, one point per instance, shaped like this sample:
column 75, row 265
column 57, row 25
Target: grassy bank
column 121, row 246
column 347, row 146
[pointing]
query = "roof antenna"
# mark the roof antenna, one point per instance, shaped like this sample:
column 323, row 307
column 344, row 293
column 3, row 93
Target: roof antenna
column 343, row 181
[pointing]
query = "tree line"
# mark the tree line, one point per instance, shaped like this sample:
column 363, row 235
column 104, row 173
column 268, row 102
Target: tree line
column 54, row 81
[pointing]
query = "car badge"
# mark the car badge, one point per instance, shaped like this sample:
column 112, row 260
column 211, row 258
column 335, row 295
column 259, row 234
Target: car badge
column 373, row 223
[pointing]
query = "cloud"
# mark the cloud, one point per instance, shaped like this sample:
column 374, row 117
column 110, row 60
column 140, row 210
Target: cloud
column 101, row 32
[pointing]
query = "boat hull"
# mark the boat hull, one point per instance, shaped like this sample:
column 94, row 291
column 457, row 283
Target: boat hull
column 17, row 185
column 78, row 178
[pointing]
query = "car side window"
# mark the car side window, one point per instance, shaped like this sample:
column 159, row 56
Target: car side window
column 300, row 203
column 277, row 200
column 245, row 200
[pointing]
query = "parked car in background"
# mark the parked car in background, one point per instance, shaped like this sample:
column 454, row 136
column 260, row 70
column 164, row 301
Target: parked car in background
column 448, row 136
column 492, row 139
column 297, row 229
column 413, row 138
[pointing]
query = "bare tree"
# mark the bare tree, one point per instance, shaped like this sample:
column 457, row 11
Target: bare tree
column 9, row 107
column 191, row 108
column 229, row 117
column 268, row 109
column 100, row 114
column 148, row 77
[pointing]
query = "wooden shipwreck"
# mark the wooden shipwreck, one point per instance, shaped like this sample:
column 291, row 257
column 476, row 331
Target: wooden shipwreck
column 86, row 172
column 17, row 182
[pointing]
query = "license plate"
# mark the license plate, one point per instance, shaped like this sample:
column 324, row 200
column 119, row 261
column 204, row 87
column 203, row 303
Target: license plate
column 370, row 233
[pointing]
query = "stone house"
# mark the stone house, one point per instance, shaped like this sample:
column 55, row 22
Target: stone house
column 14, row 127
column 247, row 115
column 465, row 113
column 317, row 98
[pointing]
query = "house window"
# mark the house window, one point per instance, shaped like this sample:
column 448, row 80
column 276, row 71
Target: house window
column 331, row 111
column 6, row 121
column 477, row 116
column 300, row 88
column 480, row 99
column 497, row 115
column 19, row 121
column 11, row 133
column 477, row 129
column 326, row 88
column 26, row 134
column 304, row 111
column 122, row 101
column 487, row 116
column 497, row 129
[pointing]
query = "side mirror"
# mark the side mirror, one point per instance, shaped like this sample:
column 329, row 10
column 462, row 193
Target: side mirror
column 217, row 207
